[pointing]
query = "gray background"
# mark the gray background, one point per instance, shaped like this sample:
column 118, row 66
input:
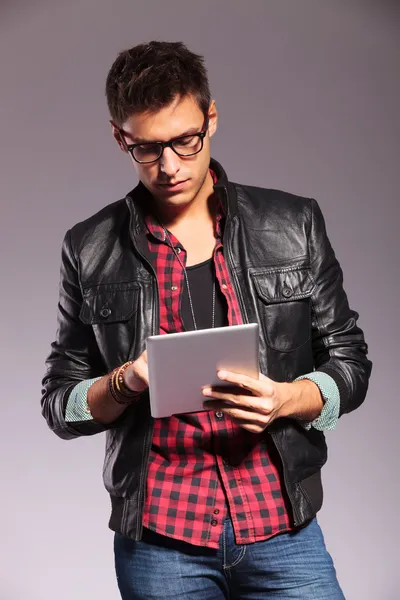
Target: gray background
column 309, row 96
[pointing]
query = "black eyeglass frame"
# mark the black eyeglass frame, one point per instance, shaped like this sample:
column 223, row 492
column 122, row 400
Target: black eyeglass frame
column 131, row 147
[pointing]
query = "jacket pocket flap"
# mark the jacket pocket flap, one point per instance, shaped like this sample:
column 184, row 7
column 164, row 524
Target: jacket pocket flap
column 284, row 285
column 108, row 304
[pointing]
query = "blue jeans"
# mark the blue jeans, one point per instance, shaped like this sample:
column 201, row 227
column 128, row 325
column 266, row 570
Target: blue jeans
column 289, row 565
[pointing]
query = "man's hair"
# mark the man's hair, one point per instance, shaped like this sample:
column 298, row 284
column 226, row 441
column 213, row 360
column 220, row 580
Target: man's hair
column 148, row 77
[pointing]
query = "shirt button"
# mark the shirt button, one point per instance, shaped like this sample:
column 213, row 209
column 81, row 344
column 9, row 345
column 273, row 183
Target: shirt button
column 219, row 414
column 178, row 250
column 105, row 312
column 174, row 288
column 216, row 511
column 214, row 522
column 224, row 286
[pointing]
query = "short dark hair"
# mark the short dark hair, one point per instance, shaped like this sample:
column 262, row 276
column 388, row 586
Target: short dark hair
column 149, row 76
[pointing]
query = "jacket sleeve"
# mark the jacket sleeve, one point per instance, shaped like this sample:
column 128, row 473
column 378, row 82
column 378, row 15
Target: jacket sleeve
column 339, row 347
column 74, row 354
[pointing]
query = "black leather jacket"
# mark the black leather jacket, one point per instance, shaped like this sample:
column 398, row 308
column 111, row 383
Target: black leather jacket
column 286, row 277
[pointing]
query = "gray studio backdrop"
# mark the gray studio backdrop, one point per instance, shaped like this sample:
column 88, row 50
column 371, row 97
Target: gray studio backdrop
column 309, row 97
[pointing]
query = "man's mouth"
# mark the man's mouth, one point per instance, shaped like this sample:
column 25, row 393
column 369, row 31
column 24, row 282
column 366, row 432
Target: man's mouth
column 173, row 186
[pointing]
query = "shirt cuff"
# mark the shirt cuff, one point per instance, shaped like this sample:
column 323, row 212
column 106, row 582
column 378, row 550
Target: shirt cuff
column 328, row 418
column 77, row 408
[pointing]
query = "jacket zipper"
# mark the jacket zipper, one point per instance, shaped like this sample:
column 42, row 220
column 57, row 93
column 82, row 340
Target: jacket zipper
column 294, row 508
column 149, row 434
column 231, row 271
column 243, row 311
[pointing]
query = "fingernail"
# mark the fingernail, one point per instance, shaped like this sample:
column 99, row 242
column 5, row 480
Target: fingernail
column 206, row 392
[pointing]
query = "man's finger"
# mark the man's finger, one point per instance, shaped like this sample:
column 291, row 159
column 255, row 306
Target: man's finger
column 242, row 416
column 221, row 401
column 244, row 381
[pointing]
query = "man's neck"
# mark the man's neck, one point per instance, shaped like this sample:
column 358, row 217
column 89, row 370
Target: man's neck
column 201, row 209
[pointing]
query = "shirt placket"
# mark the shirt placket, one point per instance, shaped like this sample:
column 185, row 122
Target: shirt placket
column 230, row 475
column 175, row 282
column 235, row 496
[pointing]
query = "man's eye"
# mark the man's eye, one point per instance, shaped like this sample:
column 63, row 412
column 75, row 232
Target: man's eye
column 148, row 147
column 186, row 141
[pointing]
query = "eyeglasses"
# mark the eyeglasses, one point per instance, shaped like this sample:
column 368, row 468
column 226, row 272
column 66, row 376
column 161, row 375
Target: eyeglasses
column 186, row 145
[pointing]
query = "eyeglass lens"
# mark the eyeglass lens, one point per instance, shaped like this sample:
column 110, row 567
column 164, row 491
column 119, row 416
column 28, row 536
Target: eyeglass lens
column 185, row 146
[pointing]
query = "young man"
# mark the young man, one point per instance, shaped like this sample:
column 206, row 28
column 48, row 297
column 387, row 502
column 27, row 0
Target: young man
column 219, row 503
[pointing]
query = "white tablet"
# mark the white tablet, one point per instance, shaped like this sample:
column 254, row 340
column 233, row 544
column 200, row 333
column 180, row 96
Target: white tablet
column 181, row 364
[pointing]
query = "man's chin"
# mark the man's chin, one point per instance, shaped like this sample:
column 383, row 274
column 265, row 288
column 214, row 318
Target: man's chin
column 176, row 199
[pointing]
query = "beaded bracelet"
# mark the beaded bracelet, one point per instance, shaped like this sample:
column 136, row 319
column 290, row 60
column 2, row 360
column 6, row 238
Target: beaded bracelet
column 120, row 381
column 118, row 388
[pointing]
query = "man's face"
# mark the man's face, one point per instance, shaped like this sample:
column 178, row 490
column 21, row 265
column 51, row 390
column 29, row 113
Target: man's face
column 172, row 180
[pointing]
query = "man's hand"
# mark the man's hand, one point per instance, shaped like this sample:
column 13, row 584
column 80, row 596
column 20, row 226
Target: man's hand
column 136, row 376
column 255, row 403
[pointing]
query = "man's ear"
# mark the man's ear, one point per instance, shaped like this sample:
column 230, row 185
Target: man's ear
column 213, row 118
column 117, row 135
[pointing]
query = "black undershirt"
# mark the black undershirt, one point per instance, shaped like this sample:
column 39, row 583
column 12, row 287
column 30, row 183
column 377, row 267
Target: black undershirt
column 201, row 279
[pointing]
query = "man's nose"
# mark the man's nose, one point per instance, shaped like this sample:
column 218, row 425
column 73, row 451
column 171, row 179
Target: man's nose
column 169, row 163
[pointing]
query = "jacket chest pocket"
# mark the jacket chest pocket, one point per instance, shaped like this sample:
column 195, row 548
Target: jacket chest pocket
column 284, row 306
column 111, row 309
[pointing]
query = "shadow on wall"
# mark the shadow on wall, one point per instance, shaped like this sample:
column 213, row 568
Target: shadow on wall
column 389, row 8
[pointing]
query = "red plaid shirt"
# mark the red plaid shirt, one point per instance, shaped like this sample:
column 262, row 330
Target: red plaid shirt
column 202, row 465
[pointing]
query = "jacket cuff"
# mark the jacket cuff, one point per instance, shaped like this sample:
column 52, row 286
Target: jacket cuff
column 328, row 418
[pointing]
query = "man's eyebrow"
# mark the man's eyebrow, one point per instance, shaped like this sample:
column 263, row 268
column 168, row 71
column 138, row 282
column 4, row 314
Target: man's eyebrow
column 138, row 140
